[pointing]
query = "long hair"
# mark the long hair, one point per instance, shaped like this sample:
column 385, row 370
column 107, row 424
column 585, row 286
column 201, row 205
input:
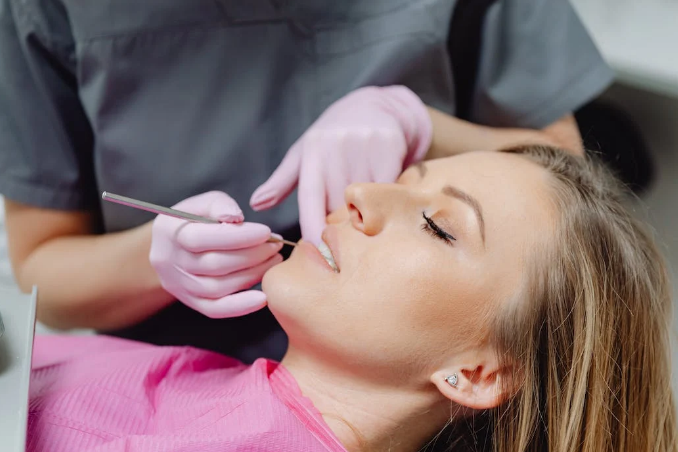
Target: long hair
column 589, row 341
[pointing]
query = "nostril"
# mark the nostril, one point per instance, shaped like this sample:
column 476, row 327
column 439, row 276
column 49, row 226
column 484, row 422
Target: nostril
column 356, row 216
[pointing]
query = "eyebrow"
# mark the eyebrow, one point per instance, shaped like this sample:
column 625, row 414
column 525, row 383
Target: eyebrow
column 471, row 201
column 460, row 195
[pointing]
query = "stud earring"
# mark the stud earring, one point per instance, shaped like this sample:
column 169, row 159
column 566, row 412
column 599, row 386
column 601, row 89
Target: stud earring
column 452, row 380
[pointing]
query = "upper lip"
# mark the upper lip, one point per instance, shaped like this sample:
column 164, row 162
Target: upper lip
column 329, row 236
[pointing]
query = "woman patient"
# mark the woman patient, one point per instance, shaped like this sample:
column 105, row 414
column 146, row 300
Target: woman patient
column 507, row 298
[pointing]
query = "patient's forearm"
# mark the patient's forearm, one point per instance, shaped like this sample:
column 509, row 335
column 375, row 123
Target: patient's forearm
column 452, row 136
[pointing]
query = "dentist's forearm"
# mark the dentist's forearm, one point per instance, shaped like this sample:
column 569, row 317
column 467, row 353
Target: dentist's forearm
column 101, row 282
column 84, row 280
column 452, row 136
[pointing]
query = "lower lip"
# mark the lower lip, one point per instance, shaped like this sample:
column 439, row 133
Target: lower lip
column 314, row 253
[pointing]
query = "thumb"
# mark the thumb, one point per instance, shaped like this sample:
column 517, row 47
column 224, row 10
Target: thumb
column 282, row 181
column 214, row 204
column 225, row 209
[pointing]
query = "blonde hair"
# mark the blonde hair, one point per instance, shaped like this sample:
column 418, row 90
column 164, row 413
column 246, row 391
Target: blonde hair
column 588, row 344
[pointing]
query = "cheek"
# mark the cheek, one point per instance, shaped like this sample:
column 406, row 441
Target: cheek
column 408, row 303
column 419, row 301
column 403, row 291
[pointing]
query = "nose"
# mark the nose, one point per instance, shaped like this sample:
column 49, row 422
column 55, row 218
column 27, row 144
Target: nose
column 370, row 206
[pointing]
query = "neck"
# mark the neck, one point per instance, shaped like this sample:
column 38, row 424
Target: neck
column 366, row 415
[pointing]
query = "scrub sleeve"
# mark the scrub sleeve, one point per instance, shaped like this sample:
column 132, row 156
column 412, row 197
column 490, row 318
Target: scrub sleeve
column 537, row 64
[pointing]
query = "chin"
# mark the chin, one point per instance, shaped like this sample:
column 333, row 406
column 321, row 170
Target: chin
column 295, row 295
column 279, row 286
column 273, row 282
column 297, row 280
column 282, row 287
column 272, row 276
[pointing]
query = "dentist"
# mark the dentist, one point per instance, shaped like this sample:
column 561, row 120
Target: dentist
column 224, row 108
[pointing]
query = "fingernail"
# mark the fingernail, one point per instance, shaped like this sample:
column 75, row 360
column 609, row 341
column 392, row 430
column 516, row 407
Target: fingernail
column 232, row 218
column 276, row 236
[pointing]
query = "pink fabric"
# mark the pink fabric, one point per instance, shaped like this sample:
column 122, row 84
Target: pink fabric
column 100, row 394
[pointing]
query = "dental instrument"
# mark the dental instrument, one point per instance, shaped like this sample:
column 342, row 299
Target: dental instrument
column 153, row 208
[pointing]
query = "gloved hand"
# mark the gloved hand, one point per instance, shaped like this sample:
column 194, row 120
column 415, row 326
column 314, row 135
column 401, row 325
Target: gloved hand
column 204, row 265
column 370, row 135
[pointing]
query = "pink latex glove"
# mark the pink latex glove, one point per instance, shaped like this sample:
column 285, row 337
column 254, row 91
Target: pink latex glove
column 370, row 135
column 204, row 265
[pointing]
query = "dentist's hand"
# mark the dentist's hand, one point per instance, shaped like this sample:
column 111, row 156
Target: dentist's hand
column 370, row 135
column 204, row 265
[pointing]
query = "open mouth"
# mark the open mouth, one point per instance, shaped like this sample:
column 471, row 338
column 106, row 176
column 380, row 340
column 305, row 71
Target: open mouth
column 327, row 254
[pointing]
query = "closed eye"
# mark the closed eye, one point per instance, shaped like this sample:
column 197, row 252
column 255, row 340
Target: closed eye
column 436, row 231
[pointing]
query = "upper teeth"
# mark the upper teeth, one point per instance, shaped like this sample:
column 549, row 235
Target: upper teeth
column 327, row 254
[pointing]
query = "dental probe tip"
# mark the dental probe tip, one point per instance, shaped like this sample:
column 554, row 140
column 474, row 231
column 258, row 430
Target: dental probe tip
column 286, row 242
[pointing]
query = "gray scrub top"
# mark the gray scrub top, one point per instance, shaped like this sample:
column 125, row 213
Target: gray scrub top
column 164, row 99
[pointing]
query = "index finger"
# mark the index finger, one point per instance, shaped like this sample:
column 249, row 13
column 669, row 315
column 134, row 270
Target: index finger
column 312, row 200
column 201, row 237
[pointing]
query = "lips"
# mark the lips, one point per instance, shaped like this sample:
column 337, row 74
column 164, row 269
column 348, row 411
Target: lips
column 327, row 254
column 330, row 248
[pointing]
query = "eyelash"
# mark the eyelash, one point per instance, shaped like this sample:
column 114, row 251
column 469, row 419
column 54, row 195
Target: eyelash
column 434, row 230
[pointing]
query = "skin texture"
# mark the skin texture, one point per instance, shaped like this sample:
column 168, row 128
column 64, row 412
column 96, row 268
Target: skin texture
column 407, row 308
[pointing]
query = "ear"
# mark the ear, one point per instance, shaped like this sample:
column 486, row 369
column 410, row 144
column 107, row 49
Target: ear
column 480, row 385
